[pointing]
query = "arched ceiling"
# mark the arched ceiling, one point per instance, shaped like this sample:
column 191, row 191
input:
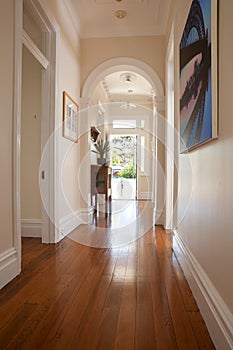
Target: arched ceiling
column 127, row 86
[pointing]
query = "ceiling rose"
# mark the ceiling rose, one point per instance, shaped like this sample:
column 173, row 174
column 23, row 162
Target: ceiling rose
column 120, row 14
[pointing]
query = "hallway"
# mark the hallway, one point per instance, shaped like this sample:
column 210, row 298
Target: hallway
column 71, row 296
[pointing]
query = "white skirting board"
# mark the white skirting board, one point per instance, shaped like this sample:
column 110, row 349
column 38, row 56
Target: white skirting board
column 8, row 266
column 71, row 221
column 31, row 227
column 159, row 217
column 218, row 318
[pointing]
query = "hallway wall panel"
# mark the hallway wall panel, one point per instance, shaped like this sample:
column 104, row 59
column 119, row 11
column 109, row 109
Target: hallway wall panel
column 6, row 100
column 206, row 228
column 68, row 196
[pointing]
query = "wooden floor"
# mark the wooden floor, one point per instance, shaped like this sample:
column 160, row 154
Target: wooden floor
column 71, row 296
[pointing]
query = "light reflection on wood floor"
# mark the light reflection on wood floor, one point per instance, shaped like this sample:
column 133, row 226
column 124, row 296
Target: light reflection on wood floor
column 127, row 221
column 74, row 297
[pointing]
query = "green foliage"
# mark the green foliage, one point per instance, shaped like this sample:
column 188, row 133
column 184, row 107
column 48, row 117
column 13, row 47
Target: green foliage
column 123, row 149
column 128, row 172
column 115, row 157
column 102, row 147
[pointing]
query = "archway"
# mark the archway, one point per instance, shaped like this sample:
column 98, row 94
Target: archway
column 120, row 64
column 130, row 64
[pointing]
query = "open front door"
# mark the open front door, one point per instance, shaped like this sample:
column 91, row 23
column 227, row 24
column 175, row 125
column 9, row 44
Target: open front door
column 124, row 166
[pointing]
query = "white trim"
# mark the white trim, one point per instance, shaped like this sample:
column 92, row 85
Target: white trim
column 35, row 51
column 214, row 66
column 170, row 132
column 159, row 217
column 18, row 5
column 49, row 109
column 8, row 266
column 34, row 8
column 71, row 221
column 86, row 215
column 73, row 14
column 154, row 162
column 31, row 227
column 49, row 234
column 119, row 64
column 218, row 318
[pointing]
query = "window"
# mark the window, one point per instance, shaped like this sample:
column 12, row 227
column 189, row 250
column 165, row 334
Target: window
column 124, row 124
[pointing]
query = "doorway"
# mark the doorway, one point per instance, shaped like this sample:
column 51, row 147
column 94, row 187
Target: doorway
column 31, row 218
column 48, row 58
column 124, row 166
column 97, row 86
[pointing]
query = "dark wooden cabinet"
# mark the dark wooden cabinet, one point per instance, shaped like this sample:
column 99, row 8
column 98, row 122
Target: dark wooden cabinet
column 101, row 183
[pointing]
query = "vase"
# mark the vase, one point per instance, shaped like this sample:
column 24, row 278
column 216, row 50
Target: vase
column 101, row 161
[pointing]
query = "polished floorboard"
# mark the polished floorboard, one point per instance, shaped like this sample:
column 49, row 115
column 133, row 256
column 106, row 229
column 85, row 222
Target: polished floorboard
column 72, row 296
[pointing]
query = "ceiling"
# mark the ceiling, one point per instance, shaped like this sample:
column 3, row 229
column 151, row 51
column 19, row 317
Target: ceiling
column 127, row 86
column 96, row 18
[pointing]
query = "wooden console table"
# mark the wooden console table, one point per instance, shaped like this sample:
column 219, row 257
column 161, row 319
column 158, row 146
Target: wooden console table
column 101, row 182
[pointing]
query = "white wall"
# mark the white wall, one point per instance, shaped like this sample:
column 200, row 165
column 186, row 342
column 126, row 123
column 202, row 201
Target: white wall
column 9, row 246
column 206, row 229
column 150, row 50
column 6, row 98
column 68, row 60
column 30, row 137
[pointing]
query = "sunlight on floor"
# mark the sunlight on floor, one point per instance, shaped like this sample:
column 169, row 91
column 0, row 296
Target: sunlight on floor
column 128, row 221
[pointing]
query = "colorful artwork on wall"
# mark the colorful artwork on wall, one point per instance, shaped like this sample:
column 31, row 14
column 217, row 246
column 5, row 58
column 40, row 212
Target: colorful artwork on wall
column 198, row 75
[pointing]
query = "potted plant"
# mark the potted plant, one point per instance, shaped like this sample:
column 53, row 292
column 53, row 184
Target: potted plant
column 101, row 148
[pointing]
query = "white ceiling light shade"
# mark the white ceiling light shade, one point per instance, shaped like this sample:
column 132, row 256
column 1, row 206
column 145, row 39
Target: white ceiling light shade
column 128, row 106
column 128, row 78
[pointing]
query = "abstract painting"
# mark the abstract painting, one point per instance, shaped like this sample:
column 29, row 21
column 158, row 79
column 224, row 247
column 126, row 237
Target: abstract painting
column 198, row 76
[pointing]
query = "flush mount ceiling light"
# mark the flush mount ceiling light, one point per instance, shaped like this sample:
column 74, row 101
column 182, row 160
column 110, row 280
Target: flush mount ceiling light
column 128, row 77
column 128, row 105
column 120, row 14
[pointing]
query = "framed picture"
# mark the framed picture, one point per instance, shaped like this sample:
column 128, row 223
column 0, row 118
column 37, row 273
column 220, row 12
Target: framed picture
column 70, row 118
column 198, row 76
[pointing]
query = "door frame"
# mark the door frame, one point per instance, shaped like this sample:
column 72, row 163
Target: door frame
column 112, row 135
column 170, row 134
column 49, row 98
